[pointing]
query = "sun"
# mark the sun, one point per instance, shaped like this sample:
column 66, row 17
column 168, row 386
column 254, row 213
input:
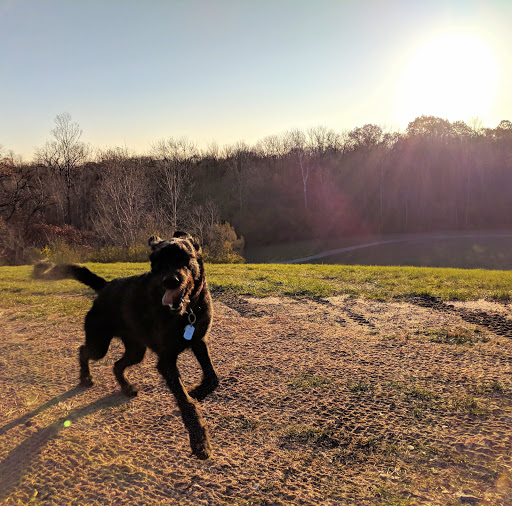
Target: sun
column 452, row 76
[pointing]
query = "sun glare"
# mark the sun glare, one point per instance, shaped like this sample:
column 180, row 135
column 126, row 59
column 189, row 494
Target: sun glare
column 453, row 76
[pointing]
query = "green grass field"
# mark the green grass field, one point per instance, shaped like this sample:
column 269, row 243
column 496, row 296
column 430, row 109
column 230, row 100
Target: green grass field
column 262, row 280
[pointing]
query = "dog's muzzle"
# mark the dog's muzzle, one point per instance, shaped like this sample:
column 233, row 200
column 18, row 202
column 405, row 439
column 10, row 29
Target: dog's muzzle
column 173, row 296
column 173, row 299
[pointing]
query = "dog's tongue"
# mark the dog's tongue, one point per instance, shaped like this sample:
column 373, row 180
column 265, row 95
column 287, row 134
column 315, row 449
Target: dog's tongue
column 170, row 296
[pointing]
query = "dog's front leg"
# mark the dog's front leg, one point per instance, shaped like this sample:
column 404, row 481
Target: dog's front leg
column 190, row 413
column 210, row 380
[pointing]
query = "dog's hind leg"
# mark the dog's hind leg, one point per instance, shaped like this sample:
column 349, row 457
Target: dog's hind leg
column 192, row 418
column 91, row 350
column 134, row 353
column 210, row 380
column 97, row 341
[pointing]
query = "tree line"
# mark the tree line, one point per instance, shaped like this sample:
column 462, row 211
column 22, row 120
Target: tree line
column 314, row 183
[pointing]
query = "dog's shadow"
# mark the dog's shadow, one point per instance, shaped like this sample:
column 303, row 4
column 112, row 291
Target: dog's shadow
column 25, row 419
column 14, row 465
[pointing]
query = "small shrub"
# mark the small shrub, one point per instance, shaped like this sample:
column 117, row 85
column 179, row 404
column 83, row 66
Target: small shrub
column 113, row 254
column 224, row 245
column 59, row 251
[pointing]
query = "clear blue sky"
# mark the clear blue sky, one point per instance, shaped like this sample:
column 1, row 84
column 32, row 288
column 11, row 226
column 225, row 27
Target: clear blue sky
column 132, row 72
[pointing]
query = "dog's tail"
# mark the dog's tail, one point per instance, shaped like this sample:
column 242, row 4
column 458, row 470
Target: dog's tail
column 49, row 271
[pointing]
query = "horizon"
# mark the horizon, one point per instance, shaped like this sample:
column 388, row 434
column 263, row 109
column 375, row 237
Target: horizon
column 130, row 74
column 203, row 149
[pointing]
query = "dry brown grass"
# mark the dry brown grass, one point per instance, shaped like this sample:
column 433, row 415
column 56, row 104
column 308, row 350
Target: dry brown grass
column 333, row 401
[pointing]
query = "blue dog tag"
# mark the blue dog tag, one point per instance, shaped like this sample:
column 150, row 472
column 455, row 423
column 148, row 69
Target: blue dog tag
column 189, row 332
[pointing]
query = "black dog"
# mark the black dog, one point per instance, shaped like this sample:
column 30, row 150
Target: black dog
column 168, row 309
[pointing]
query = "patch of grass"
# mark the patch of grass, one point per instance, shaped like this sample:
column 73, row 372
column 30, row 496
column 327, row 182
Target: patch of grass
column 414, row 391
column 367, row 444
column 39, row 299
column 423, row 398
column 423, row 394
column 466, row 403
column 240, row 422
column 457, row 336
column 357, row 449
column 502, row 296
column 308, row 434
column 375, row 282
column 386, row 496
column 305, row 381
column 492, row 387
column 360, row 386
column 498, row 387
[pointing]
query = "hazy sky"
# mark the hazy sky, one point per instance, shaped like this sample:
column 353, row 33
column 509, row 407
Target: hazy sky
column 132, row 72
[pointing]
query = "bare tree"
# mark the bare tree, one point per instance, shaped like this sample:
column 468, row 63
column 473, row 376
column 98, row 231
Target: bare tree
column 175, row 160
column 21, row 199
column 211, row 151
column 203, row 219
column 122, row 199
column 21, row 191
column 324, row 141
column 64, row 155
column 324, row 145
column 272, row 146
column 239, row 158
column 297, row 146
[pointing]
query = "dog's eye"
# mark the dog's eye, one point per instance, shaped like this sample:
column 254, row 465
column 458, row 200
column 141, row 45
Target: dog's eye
column 181, row 259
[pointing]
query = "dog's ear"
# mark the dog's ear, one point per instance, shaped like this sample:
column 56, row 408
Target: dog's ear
column 185, row 235
column 154, row 241
column 196, row 244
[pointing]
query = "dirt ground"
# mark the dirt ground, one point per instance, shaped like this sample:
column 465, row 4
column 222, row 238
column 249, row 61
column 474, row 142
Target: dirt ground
column 324, row 401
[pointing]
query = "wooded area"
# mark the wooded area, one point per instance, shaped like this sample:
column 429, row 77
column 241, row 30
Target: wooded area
column 313, row 183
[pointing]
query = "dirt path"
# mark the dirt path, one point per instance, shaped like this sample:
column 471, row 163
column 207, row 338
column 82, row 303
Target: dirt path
column 325, row 401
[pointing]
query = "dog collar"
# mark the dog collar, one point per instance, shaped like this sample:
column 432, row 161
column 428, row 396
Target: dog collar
column 191, row 316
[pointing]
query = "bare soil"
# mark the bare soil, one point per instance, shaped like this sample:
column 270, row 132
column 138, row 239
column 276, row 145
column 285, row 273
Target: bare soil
column 324, row 401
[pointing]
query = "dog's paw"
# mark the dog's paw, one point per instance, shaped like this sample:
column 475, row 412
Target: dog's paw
column 198, row 393
column 86, row 382
column 129, row 391
column 200, row 445
column 202, row 390
column 202, row 452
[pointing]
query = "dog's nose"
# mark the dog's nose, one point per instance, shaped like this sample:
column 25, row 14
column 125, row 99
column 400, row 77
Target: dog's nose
column 172, row 281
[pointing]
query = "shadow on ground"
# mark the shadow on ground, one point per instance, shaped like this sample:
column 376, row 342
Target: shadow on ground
column 18, row 461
